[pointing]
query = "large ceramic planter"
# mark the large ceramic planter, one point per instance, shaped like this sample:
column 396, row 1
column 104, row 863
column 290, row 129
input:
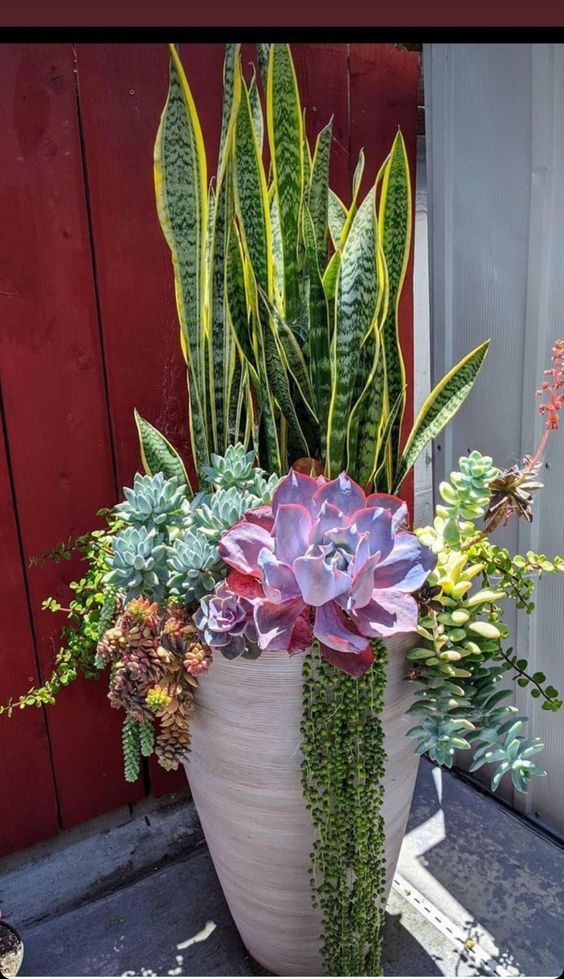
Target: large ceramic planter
column 244, row 773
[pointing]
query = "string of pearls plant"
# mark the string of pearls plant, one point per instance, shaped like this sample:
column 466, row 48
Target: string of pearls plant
column 342, row 771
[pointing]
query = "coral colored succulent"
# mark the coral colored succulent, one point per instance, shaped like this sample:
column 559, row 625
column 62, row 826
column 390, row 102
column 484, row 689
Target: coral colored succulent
column 324, row 561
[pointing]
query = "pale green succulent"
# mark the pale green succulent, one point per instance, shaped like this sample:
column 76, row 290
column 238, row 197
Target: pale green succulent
column 194, row 567
column 466, row 496
column 220, row 511
column 138, row 562
column 512, row 752
column 235, row 468
column 459, row 661
column 153, row 502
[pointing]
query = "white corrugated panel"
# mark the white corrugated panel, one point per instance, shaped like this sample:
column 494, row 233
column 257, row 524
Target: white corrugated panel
column 495, row 150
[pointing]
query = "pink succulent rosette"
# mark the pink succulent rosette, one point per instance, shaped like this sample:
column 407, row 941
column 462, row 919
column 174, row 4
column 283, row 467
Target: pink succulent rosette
column 325, row 561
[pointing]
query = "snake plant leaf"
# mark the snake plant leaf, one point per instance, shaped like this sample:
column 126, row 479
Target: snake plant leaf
column 307, row 157
column 277, row 253
column 220, row 346
column 355, row 305
column 221, row 342
column 256, row 111
column 331, row 273
column 231, row 96
column 181, row 193
column 252, row 197
column 158, row 455
column 395, row 233
column 237, row 310
column 440, row 406
column 263, row 54
column 279, row 384
column 318, row 193
column 319, row 338
column 337, row 215
column 357, row 178
column 286, row 140
column 368, row 402
column 293, row 358
column 371, row 413
column 381, row 466
column 276, row 368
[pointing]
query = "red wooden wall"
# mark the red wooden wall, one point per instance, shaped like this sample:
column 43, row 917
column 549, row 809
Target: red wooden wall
column 88, row 331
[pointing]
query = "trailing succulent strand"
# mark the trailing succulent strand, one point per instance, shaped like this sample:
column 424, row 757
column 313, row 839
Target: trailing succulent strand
column 342, row 771
column 460, row 660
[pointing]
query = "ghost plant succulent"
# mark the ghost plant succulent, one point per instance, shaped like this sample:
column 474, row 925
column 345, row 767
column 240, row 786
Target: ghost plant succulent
column 323, row 562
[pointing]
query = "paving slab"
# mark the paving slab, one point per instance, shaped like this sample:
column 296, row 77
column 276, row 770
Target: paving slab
column 478, row 892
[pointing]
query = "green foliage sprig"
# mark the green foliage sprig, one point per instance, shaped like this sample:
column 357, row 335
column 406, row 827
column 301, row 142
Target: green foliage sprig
column 461, row 658
column 88, row 613
column 342, row 771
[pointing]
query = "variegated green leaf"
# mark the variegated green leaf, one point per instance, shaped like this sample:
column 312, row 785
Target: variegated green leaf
column 395, row 232
column 263, row 54
column 307, row 157
column 331, row 272
column 238, row 313
column 366, row 415
column 277, row 255
column 285, row 134
column 231, row 95
column 221, row 346
column 381, row 461
column 337, row 215
column 355, row 305
column 181, row 192
column 357, row 177
column 157, row 454
column 318, row 194
column 330, row 276
column 256, row 111
column 252, row 197
column 319, row 337
column 440, row 406
column 293, row 358
column 278, row 381
column 369, row 414
column 199, row 434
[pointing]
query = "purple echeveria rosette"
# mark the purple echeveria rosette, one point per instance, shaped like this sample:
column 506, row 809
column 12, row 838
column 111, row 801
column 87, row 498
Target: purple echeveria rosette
column 225, row 621
column 327, row 562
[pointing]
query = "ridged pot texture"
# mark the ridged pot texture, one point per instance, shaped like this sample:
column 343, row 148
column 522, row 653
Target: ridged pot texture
column 244, row 773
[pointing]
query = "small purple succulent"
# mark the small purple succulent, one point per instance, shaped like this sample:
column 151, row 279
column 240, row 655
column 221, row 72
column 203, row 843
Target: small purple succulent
column 225, row 621
column 329, row 562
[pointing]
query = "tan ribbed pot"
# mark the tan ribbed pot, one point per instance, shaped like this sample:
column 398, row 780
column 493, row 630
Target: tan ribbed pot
column 244, row 773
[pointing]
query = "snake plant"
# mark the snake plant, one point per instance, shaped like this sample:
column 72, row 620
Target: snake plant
column 287, row 297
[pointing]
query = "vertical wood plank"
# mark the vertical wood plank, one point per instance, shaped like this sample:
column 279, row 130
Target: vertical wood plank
column 122, row 93
column 53, row 387
column 384, row 89
column 28, row 805
column 323, row 78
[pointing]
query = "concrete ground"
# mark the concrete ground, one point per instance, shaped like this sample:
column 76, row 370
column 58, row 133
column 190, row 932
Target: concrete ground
column 477, row 892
